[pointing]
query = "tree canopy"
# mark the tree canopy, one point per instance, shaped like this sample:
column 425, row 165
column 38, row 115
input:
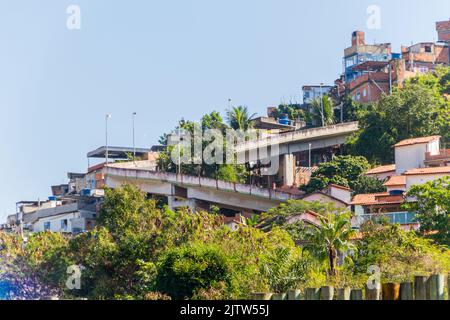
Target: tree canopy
column 418, row 108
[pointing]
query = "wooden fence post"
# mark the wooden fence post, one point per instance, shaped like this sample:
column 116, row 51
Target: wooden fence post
column 279, row 296
column 261, row 296
column 356, row 294
column 312, row 294
column 327, row 293
column 448, row 286
column 390, row 291
column 420, row 287
column 293, row 294
column 344, row 293
column 435, row 287
column 373, row 294
column 406, row 291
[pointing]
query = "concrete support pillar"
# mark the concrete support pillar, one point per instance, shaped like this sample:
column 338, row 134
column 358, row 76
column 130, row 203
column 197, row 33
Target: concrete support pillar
column 288, row 169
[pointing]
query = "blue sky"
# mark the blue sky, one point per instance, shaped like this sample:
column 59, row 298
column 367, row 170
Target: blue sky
column 164, row 60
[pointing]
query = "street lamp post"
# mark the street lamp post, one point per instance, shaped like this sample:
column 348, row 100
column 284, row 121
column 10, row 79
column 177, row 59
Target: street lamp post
column 309, row 155
column 134, row 145
column 321, row 105
column 106, row 136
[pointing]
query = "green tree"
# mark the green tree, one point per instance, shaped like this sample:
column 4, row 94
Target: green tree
column 331, row 237
column 418, row 108
column 341, row 170
column 365, row 184
column 185, row 270
column 351, row 110
column 323, row 108
column 292, row 110
column 432, row 205
column 239, row 118
column 398, row 253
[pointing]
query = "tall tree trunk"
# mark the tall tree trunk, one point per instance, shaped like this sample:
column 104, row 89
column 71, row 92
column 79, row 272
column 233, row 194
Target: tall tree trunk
column 331, row 258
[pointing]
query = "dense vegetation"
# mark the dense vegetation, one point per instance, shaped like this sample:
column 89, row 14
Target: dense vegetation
column 347, row 171
column 420, row 107
column 140, row 251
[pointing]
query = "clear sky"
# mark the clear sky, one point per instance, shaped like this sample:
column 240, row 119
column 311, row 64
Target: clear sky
column 164, row 60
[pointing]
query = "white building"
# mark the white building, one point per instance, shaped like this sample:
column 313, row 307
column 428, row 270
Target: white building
column 411, row 153
column 417, row 161
column 72, row 217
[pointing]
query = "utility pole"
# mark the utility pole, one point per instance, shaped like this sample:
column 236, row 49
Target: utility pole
column 108, row 116
column 321, row 105
column 309, row 155
column 134, row 145
column 342, row 104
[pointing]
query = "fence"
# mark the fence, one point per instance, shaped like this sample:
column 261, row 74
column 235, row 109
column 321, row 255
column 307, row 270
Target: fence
column 422, row 288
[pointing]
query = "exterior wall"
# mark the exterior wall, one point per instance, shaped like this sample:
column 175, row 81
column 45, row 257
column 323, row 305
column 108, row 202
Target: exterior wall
column 443, row 29
column 341, row 194
column 409, row 157
column 324, row 199
column 363, row 90
column 313, row 92
column 414, row 156
column 55, row 222
column 421, row 179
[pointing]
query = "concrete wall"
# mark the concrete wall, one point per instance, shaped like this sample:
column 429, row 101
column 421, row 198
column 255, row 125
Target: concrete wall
column 409, row 157
column 341, row 194
column 55, row 222
column 324, row 199
column 421, row 179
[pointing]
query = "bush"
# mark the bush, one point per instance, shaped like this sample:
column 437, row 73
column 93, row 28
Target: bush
column 184, row 270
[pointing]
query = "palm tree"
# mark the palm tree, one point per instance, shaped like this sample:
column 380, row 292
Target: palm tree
column 239, row 118
column 323, row 107
column 332, row 236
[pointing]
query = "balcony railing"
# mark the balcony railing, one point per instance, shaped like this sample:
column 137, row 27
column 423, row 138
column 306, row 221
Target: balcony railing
column 443, row 155
column 394, row 217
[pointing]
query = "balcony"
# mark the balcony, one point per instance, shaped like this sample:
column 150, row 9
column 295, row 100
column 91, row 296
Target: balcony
column 402, row 218
column 442, row 157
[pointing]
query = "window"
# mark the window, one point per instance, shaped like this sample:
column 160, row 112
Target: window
column 306, row 95
column 427, row 49
column 47, row 226
column 364, row 92
column 64, row 224
column 358, row 96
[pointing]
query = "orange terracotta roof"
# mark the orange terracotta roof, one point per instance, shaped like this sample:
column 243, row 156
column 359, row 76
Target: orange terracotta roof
column 290, row 190
column 368, row 198
column 431, row 170
column 382, row 169
column 339, row 187
column 396, row 181
column 408, row 142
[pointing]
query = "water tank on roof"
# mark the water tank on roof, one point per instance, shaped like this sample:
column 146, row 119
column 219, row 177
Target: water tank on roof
column 284, row 119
